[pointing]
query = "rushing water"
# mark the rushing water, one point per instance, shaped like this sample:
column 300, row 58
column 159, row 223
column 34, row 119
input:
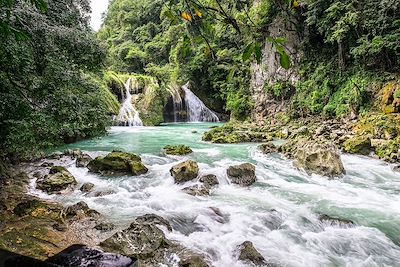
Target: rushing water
column 195, row 108
column 128, row 115
column 279, row 213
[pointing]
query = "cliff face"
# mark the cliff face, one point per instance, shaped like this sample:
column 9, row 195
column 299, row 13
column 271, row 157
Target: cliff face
column 270, row 72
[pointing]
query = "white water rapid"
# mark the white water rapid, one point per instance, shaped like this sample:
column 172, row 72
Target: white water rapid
column 128, row 115
column 195, row 108
column 279, row 213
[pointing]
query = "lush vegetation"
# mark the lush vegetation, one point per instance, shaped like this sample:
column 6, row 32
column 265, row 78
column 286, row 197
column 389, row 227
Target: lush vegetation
column 51, row 90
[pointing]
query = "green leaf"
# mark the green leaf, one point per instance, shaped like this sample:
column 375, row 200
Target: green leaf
column 248, row 51
column 257, row 52
column 284, row 60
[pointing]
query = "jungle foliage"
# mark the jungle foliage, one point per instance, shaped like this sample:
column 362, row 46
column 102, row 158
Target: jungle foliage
column 50, row 89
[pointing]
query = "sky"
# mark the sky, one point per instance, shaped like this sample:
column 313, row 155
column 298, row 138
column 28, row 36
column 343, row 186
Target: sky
column 98, row 7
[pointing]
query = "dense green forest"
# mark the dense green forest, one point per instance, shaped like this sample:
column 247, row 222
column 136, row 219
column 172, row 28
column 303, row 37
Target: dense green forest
column 53, row 88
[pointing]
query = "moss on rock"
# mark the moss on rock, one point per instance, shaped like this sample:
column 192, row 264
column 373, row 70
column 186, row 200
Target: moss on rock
column 179, row 150
column 118, row 162
column 358, row 145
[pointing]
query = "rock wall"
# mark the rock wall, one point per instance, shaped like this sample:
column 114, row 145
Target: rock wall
column 269, row 70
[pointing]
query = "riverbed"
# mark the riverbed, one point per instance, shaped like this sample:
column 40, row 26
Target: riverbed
column 279, row 213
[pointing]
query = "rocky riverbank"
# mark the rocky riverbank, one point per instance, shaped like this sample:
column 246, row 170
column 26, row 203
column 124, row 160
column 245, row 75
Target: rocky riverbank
column 376, row 134
column 41, row 229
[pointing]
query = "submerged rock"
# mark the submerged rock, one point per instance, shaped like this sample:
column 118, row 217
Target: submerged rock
column 247, row 252
column 335, row 220
column 118, row 162
column 87, row 187
column 58, row 179
column 178, row 150
column 358, row 145
column 396, row 168
column 322, row 159
column 185, row 171
column 197, row 190
column 83, row 160
column 243, row 174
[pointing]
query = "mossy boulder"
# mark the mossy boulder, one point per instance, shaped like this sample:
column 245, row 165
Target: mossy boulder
column 319, row 158
column 358, row 145
column 58, row 179
column 185, row 171
column 118, row 162
column 243, row 174
column 178, row 150
column 391, row 98
column 248, row 253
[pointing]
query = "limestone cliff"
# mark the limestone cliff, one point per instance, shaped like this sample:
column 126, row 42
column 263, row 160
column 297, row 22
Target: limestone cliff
column 269, row 70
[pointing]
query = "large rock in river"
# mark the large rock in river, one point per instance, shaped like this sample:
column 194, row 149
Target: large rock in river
column 57, row 180
column 243, row 174
column 141, row 240
column 118, row 162
column 185, row 171
column 248, row 253
column 322, row 159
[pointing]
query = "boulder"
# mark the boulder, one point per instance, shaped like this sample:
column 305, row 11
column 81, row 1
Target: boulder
column 209, row 180
column 87, row 187
column 83, row 160
column 178, row 150
column 185, row 171
column 268, row 148
column 58, row 179
column 243, row 174
column 322, row 159
column 358, row 145
column 80, row 210
column 248, row 253
column 118, row 162
column 141, row 240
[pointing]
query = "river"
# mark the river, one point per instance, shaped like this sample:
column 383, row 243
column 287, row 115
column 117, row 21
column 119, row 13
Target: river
column 279, row 213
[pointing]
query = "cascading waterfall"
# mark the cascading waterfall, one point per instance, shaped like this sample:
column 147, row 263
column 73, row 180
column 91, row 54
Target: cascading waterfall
column 195, row 108
column 177, row 101
column 128, row 115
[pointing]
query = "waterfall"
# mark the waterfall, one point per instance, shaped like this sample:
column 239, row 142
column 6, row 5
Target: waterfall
column 128, row 115
column 177, row 101
column 195, row 108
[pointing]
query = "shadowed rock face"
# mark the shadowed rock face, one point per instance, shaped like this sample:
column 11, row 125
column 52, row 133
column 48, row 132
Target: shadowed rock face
column 243, row 174
column 80, row 256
